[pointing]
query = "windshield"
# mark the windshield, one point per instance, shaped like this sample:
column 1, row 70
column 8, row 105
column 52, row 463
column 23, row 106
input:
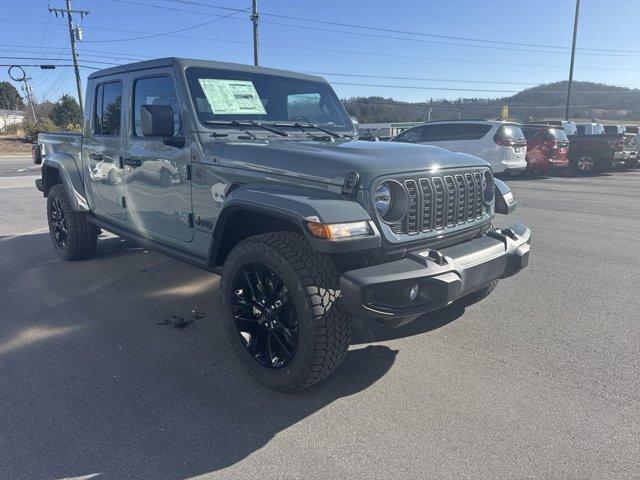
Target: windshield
column 227, row 95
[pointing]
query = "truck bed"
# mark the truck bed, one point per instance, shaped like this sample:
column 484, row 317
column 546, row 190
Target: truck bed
column 62, row 142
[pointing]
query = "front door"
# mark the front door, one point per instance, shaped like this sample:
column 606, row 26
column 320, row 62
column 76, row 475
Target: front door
column 157, row 184
column 103, row 149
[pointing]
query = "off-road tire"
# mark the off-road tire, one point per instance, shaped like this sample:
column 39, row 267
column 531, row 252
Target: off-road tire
column 82, row 237
column 324, row 325
column 475, row 297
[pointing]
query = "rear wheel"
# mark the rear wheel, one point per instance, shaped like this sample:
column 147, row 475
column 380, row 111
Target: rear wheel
column 585, row 165
column 282, row 311
column 73, row 237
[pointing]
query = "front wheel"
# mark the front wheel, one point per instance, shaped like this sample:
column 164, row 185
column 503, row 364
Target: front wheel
column 73, row 237
column 282, row 311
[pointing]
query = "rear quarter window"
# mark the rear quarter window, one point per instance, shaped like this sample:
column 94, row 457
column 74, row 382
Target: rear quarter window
column 107, row 109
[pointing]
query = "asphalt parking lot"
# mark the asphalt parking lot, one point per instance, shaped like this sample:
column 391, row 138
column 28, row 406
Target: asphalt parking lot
column 117, row 367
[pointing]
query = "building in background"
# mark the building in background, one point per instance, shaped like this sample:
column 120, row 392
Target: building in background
column 10, row 117
column 383, row 130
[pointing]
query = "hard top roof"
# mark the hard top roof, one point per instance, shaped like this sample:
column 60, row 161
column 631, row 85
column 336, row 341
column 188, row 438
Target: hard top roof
column 183, row 63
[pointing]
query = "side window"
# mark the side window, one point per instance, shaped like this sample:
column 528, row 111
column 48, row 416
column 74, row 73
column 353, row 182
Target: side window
column 412, row 135
column 475, row 131
column 307, row 107
column 155, row 91
column 108, row 109
column 436, row 133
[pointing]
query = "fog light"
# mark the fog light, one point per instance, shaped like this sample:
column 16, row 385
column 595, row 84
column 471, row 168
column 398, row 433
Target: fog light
column 413, row 292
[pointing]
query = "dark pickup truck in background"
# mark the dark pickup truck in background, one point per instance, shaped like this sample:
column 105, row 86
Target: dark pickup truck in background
column 589, row 153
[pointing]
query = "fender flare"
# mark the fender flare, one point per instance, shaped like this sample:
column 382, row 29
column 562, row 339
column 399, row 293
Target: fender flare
column 70, row 177
column 296, row 205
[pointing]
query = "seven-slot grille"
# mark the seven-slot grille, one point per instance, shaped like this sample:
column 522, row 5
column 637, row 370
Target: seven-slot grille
column 442, row 202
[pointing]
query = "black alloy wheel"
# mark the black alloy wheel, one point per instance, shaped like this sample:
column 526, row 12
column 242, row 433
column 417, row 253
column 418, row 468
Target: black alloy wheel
column 264, row 316
column 58, row 223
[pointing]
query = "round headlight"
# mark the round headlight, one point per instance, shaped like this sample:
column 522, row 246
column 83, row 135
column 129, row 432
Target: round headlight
column 382, row 199
column 487, row 187
column 391, row 201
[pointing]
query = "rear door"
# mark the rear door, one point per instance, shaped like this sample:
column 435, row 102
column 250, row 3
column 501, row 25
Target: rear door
column 102, row 150
column 157, row 183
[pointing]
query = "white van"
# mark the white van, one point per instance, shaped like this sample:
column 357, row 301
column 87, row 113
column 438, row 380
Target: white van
column 502, row 144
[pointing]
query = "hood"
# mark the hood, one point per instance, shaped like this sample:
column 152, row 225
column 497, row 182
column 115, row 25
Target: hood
column 330, row 162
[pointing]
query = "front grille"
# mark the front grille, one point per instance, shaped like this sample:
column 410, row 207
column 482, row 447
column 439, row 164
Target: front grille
column 441, row 202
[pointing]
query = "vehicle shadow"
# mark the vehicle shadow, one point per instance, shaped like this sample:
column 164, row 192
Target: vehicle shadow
column 554, row 174
column 96, row 382
column 369, row 331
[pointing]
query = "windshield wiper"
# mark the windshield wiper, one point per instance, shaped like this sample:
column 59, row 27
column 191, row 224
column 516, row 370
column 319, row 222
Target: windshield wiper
column 241, row 125
column 232, row 123
column 271, row 129
column 313, row 125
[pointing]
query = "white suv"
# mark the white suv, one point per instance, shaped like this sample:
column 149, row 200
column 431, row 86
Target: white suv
column 502, row 144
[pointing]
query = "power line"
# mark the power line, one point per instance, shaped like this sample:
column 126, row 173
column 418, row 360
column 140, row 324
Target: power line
column 44, row 59
column 366, row 53
column 388, row 30
column 167, row 33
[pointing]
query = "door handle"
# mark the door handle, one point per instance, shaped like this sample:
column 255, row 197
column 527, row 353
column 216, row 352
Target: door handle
column 131, row 161
column 96, row 156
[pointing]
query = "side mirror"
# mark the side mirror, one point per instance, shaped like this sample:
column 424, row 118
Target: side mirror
column 505, row 203
column 156, row 120
column 36, row 154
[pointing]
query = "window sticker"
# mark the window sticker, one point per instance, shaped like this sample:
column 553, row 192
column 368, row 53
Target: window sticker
column 229, row 97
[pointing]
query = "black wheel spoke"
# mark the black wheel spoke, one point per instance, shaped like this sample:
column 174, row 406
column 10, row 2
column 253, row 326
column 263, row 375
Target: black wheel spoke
column 269, row 352
column 259, row 286
column 266, row 326
column 285, row 349
column 249, row 282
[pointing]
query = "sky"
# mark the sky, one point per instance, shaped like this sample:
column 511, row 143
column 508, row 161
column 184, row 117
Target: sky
column 409, row 50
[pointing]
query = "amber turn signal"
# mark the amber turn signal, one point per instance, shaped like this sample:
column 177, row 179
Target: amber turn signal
column 331, row 231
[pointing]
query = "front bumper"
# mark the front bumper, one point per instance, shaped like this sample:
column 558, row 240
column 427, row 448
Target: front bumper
column 442, row 276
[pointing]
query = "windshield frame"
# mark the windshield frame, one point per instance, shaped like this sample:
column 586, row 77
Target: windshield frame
column 189, row 75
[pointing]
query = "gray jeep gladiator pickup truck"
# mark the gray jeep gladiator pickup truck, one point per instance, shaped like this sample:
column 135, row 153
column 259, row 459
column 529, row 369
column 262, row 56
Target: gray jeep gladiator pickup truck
column 257, row 174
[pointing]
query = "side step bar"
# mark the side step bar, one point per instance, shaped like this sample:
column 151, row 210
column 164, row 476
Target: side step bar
column 194, row 260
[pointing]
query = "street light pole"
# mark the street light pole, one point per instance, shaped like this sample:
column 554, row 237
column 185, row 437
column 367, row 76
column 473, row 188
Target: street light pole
column 573, row 56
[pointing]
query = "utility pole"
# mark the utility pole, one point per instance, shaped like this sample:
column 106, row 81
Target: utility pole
column 573, row 56
column 254, row 18
column 430, row 110
column 75, row 33
column 28, row 92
